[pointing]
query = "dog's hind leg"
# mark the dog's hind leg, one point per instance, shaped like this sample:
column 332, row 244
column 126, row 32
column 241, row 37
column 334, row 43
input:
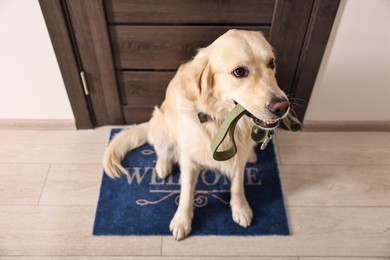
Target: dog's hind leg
column 164, row 160
column 164, row 147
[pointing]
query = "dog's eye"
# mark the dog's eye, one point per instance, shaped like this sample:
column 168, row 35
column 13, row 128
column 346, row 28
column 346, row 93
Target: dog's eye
column 271, row 64
column 240, row 72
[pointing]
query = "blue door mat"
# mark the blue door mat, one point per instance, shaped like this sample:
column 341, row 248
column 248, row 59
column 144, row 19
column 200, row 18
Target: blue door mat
column 143, row 204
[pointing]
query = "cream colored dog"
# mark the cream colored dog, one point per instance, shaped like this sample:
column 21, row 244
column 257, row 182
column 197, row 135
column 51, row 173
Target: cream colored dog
column 237, row 67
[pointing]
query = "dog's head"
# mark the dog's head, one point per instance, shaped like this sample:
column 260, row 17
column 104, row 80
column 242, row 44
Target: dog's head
column 240, row 67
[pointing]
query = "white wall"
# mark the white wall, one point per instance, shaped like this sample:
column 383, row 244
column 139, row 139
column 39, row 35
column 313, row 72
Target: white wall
column 354, row 79
column 31, row 85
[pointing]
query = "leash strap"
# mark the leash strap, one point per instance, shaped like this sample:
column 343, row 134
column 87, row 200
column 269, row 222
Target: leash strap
column 227, row 126
column 292, row 123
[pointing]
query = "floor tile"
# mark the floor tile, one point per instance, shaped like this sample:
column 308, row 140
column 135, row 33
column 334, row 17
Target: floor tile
column 21, row 184
column 333, row 148
column 349, row 186
column 84, row 146
column 72, row 184
column 64, row 230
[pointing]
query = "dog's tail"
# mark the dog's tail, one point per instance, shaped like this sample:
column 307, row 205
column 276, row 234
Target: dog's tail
column 123, row 142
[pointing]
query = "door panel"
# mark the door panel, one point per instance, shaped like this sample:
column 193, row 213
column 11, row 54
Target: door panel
column 163, row 47
column 143, row 88
column 190, row 11
column 137, row 114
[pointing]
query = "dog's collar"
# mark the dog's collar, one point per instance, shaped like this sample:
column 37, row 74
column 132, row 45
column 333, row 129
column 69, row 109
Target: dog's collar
column 257, row 135
column 202, row 117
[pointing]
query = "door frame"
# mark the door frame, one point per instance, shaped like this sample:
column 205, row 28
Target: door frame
column 299, row 35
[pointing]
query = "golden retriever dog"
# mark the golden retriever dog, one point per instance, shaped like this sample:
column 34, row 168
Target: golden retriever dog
column 238, row 67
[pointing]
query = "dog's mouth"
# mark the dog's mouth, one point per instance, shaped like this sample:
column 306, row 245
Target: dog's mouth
column 265, row 124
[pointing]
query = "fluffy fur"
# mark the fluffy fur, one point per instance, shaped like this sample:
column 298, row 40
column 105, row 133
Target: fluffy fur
column 206, row 84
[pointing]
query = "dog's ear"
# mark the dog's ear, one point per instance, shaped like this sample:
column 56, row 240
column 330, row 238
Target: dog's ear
column 195, row 78
column 206, row 81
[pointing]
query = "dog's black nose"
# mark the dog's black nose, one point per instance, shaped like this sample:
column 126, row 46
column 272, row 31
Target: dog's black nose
column 278, row 106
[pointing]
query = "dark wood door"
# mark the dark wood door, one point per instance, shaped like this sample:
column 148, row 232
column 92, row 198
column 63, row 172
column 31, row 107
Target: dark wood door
column 128, row 50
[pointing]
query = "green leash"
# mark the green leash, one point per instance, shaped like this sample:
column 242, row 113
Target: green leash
column 228, row 126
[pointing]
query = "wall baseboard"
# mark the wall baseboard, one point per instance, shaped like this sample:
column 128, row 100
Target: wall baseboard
column 347, row 126
column 37, row 124
column 309, row 125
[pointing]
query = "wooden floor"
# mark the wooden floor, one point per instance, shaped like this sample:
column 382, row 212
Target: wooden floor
column 336, row 187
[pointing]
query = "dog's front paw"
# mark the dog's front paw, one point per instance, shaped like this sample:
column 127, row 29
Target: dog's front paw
column 180, row 226
column 242, row 215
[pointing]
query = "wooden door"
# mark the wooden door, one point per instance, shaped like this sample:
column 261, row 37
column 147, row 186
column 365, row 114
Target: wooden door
column 128, row 50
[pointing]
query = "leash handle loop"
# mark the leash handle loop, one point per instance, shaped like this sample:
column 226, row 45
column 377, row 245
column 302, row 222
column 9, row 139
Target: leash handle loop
column 227, row 126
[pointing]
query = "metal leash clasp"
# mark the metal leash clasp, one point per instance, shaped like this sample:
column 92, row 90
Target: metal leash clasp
column 267, row 139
